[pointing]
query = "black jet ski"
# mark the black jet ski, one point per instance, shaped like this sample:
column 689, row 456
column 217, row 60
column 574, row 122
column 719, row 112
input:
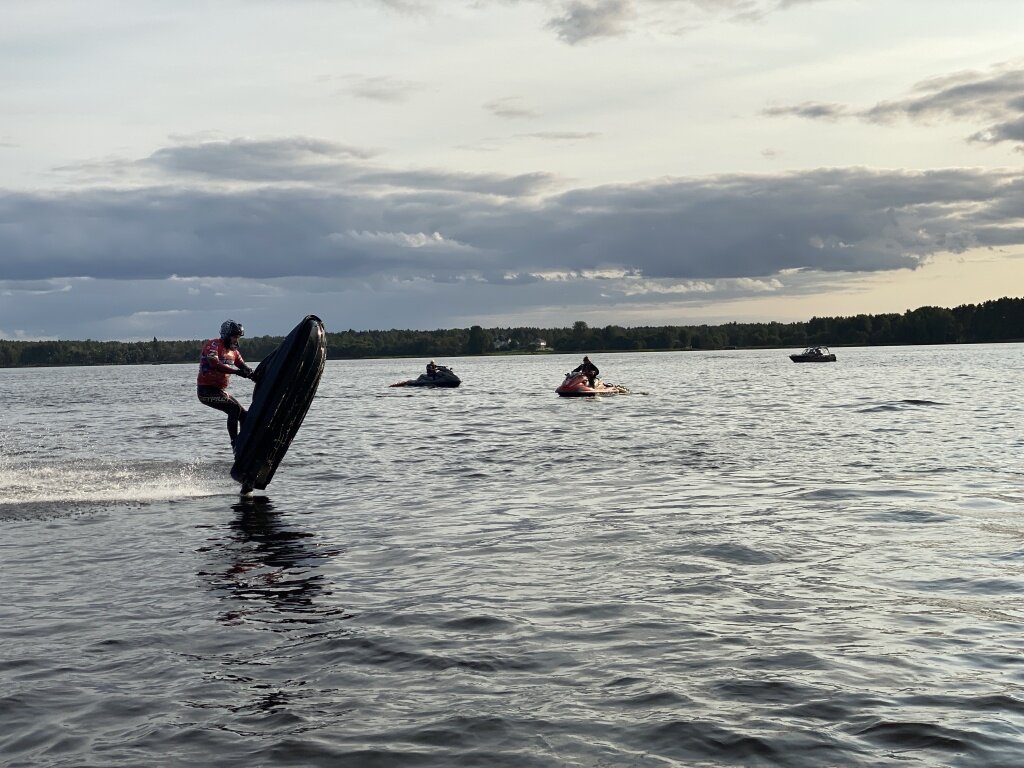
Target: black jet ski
column 286, row 381
column 442, row 377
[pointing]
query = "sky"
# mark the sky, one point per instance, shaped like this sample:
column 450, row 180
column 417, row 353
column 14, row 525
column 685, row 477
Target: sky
column 168, row 164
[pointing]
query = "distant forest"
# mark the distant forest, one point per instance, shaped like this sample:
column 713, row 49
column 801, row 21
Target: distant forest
column 992, row 321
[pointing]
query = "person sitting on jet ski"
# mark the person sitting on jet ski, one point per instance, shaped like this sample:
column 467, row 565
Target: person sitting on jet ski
column 431, row 369
column 219, row 358
column 588, row 369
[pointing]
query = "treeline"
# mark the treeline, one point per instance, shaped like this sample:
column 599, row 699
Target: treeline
column 991, row 321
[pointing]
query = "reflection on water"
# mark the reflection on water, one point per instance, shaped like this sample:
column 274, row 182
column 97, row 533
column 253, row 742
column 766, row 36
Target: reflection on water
column 268, row 570
column 269, row 566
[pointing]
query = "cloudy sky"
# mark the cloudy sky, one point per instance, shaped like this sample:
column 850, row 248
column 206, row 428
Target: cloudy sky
column 167, row 164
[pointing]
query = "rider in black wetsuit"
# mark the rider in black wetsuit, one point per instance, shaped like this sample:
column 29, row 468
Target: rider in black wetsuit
column 588, row 369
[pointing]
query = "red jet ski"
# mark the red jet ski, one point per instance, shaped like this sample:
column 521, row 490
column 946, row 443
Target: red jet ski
column 577, row 385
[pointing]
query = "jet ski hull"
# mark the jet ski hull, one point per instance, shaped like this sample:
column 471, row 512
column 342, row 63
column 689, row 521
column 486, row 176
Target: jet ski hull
column 286, row 382
column 445, row 377
column 577, row 385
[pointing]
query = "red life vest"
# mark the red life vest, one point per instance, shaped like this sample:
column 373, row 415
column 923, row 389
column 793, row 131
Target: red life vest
column 215, row 362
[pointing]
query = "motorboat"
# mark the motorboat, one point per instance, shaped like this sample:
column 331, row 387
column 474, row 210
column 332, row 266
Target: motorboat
column 443, row 376
column 577, row 384
column 814, row 355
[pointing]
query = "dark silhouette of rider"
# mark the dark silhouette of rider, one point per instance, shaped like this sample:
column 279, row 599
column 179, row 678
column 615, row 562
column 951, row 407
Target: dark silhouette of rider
column 221, row 357
column 588, row 369
column 431, row 369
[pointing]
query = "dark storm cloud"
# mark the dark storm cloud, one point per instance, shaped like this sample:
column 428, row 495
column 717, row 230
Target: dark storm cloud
column 831, row 220
column 300, row 160
column 961, row 95
column 147, row 234
column 439, row 227
column 995, row 98
column 1008, row 130
column 259, row 159
column 583, row 21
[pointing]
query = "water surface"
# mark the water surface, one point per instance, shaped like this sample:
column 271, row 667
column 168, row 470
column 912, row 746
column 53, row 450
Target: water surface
column 745, row 562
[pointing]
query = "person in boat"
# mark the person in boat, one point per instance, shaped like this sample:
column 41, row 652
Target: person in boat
column 431, row 369
column 219, row 359
column 588, row 369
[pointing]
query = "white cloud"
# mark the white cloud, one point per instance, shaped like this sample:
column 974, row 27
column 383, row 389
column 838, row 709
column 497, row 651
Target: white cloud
column 381, row 88
column 400, row 239
column 510, row 107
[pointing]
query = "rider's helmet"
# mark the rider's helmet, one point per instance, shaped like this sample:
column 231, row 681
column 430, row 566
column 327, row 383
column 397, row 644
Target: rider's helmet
column 230, row 328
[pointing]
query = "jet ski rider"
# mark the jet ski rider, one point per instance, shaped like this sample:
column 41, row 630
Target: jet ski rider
column 219, row 358
column 588, row 369
column 431, row 369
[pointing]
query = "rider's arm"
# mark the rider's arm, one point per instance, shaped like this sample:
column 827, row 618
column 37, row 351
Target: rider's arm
column 214, row 362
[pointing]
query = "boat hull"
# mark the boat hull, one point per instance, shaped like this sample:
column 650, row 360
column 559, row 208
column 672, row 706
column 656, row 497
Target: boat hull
column 813, row 358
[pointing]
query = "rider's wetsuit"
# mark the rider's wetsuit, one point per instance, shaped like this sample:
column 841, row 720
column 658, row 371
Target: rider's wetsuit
column 589, row 370
column 215, row 363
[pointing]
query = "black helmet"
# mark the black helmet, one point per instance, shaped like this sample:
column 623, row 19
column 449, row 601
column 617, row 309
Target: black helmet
column 230, row 328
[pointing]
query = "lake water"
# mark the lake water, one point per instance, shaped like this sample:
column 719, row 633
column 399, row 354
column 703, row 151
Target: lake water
column 746, row 562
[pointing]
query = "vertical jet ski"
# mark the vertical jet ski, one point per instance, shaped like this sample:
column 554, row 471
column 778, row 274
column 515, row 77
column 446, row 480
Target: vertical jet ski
column 286, row 381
